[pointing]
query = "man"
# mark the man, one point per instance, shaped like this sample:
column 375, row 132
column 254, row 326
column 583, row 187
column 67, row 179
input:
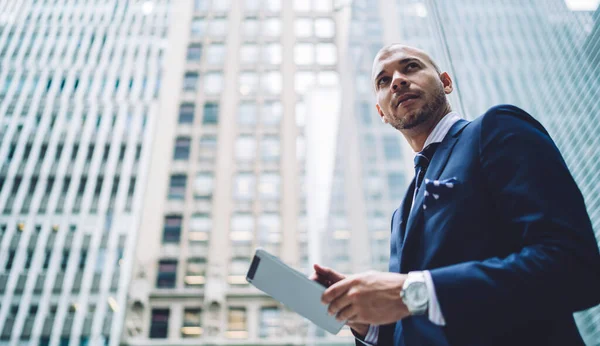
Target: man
column 492, row 244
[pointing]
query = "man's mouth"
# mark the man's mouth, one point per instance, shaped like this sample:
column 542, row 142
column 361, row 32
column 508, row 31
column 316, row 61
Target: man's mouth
column 405, row 98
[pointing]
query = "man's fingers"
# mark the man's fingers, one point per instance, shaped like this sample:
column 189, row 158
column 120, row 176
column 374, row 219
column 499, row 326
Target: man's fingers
column 340, row 303
column 336, row 290
column 328, row 272
column 346, row 314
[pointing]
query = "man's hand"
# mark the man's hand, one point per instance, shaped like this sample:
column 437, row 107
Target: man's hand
column 368, row 298
column 327, row 277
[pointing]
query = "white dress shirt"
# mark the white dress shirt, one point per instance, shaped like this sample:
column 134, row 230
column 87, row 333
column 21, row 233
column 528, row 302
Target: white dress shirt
column 434, row 312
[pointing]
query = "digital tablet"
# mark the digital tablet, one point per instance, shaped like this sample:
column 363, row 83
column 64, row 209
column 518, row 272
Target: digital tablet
column 291, row 288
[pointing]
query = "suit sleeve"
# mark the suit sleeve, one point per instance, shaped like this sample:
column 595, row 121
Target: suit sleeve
column 556, row 268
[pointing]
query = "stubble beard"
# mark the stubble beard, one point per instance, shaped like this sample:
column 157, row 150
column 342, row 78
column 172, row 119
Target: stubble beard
column 421, row 116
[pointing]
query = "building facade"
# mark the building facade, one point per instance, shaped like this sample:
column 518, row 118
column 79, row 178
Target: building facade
column 228, row 172
column 79, row 84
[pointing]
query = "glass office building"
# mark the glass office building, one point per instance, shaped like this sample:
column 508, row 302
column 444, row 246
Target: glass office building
column 79, row 83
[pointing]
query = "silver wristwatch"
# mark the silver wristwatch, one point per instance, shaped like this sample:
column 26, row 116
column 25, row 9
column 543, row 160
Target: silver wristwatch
column 414, row 293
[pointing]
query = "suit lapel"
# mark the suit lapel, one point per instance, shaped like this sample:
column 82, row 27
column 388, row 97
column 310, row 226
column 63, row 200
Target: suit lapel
column 404, row 212
column 438, row 162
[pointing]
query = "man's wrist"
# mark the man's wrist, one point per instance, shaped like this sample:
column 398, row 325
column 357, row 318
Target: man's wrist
column 414, row 293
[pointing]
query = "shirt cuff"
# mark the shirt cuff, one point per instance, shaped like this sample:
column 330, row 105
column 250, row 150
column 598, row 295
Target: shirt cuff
column 372, row 335
column 435, row 312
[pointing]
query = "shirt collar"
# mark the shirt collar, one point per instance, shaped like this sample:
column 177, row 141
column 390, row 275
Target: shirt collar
column 441, row 129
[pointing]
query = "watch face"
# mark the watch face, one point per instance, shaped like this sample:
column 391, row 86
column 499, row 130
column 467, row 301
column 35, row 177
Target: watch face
column 416, row 293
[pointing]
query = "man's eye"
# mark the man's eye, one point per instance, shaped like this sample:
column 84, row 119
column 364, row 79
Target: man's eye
column 412, row 65
column 383, row 81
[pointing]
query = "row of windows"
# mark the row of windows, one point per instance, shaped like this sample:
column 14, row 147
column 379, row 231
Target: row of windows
column 66, row 184
column 244, row 186
column 243, row 228
column 237, row 324
column 195, row 272
column 253, row 27
column 48, row 322
column 269, row 5
column 249, row 81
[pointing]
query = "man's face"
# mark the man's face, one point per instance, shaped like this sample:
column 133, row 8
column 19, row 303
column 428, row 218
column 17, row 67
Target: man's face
column 409, row 89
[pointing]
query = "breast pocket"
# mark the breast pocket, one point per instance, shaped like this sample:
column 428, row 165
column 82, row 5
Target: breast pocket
column 443, row 193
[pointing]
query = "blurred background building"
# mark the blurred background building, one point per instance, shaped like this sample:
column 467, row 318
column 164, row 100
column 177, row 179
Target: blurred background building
column 79, row 84
column 148, row 146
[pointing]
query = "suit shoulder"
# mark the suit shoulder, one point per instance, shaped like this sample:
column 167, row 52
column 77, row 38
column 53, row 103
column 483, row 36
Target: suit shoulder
column 508, row 118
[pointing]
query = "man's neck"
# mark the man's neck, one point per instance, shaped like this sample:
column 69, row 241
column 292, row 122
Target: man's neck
column 417, row 136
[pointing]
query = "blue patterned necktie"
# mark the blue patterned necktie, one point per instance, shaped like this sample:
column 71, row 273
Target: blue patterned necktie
column 422, row 162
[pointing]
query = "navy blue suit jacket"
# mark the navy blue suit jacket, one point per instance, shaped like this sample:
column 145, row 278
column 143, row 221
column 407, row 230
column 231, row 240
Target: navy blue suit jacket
column 510, row 247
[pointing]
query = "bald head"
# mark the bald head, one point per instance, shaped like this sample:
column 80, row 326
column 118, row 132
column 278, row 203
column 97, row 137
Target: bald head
column 393, row 48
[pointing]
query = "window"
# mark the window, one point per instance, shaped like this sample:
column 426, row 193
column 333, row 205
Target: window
column 215, row 54
column 273, row 5
column 271, row 82
column 303, row 27
column 218, row 27
column 195, row 272
column 236, row 322
column 302, row 5
column 270, row 149
column 237, row 271
column 271, row 53
column 396, row 185
column 177, row 186
column 198, row 27
column 186, row 113
column 269, row 229
column 182, row 148
column 172, row 229
column 271, row 114
column 242, row 228
column 213, row 83
column 167, row 273
column 200, row 226
column 208, row 147
column 249, row 53
column 250, row 27
column 221, row 5
column 324, row 28
column 269, row 186
column 160, row 322
column 190, row 81
column 194, row 52
column 271, row 27
column 245, row 148
column 391, row 148
column 192, row 323
column 247, row 113
column 304, row 80
column 203, row 185
column 244, row 186
column 211, row 113
column 326, row 54
column 252, row 5
column 304, row 54
column 269, row 322
column 248, row 82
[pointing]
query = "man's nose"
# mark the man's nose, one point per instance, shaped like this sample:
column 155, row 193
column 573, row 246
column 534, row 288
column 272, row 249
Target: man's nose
column 399, row 81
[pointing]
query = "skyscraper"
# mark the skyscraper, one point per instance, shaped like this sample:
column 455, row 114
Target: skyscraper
column 228, row 170
column 79, row 83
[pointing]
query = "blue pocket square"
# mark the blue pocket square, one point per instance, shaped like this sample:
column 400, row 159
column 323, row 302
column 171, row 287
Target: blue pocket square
column 436, row 189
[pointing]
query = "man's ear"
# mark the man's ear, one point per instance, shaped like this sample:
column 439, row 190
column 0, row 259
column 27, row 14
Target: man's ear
column 383, row 119
column 446, row 82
